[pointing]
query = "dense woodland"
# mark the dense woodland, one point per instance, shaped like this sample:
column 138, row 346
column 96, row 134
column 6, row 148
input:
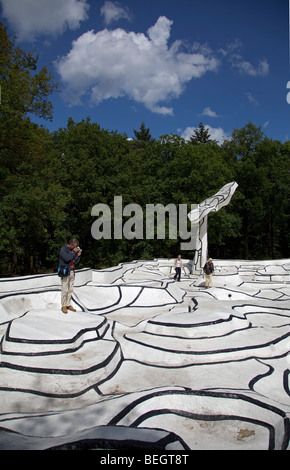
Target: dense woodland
column 49, row 181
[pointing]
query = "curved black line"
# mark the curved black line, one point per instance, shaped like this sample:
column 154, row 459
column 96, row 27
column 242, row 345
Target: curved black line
column 203, row 393
column 112, row 308
column 94, row 387
column 256, row 379
column 62, row 371
column 55, row 352
column 152, row 306
column 286, row 379
column 96, row 309
column 194, row 325
column 218, row 351
column 200, row 417
column 80, row 333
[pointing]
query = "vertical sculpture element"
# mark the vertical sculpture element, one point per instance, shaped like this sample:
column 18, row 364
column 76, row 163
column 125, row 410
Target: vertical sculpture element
column 200, row 215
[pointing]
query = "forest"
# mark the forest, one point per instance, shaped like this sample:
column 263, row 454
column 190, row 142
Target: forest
column 50, row 181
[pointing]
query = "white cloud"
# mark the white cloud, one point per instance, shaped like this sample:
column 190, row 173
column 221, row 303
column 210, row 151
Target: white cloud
column 216, row 133
column 233, row 55
column 114, row 12
column 160, row 32
column 31, row 18
column 245, row 67
column 114, row 64
column 209, row 112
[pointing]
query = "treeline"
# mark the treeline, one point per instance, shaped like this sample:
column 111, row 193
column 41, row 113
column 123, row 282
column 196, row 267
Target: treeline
column 50, row 181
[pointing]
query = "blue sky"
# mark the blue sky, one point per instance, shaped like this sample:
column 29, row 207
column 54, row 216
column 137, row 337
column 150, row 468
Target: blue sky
column 169, row 63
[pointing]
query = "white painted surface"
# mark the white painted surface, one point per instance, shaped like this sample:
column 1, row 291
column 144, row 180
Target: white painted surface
column 145, row 358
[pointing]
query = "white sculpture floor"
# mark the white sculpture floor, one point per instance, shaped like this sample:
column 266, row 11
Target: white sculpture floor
column 147, row 362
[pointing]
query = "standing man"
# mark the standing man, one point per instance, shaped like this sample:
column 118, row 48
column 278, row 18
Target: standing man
column 208, row 270
column 69, row 256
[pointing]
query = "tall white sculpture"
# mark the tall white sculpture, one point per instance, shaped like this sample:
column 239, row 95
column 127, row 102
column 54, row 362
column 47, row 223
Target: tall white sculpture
column 200, row 215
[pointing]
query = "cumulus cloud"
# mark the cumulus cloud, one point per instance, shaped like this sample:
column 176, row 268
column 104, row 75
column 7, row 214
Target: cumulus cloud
column 216, row 133
column 31, row 18
column 114, row 12
column 113, row 64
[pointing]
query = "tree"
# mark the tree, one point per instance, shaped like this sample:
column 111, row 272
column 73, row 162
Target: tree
column 144, row 134
column 23, row 89
column 24, row 152
column 244, row 140
column 273, row 166
column 201, row 136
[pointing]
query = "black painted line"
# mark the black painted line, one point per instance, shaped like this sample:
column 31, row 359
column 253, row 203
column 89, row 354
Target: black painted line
column 216, row 417
column 80, row 333
column 63, row 371
column 218, row 351
column 200, row 393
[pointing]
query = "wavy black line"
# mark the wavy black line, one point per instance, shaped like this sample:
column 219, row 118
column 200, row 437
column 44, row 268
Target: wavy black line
column 217, row 351
column 40, row 370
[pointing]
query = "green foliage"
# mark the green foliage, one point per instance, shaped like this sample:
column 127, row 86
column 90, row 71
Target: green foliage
column 49, row 182
column 201, row 136
column 23, row 89
column 27, row 191
column 143, row 134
